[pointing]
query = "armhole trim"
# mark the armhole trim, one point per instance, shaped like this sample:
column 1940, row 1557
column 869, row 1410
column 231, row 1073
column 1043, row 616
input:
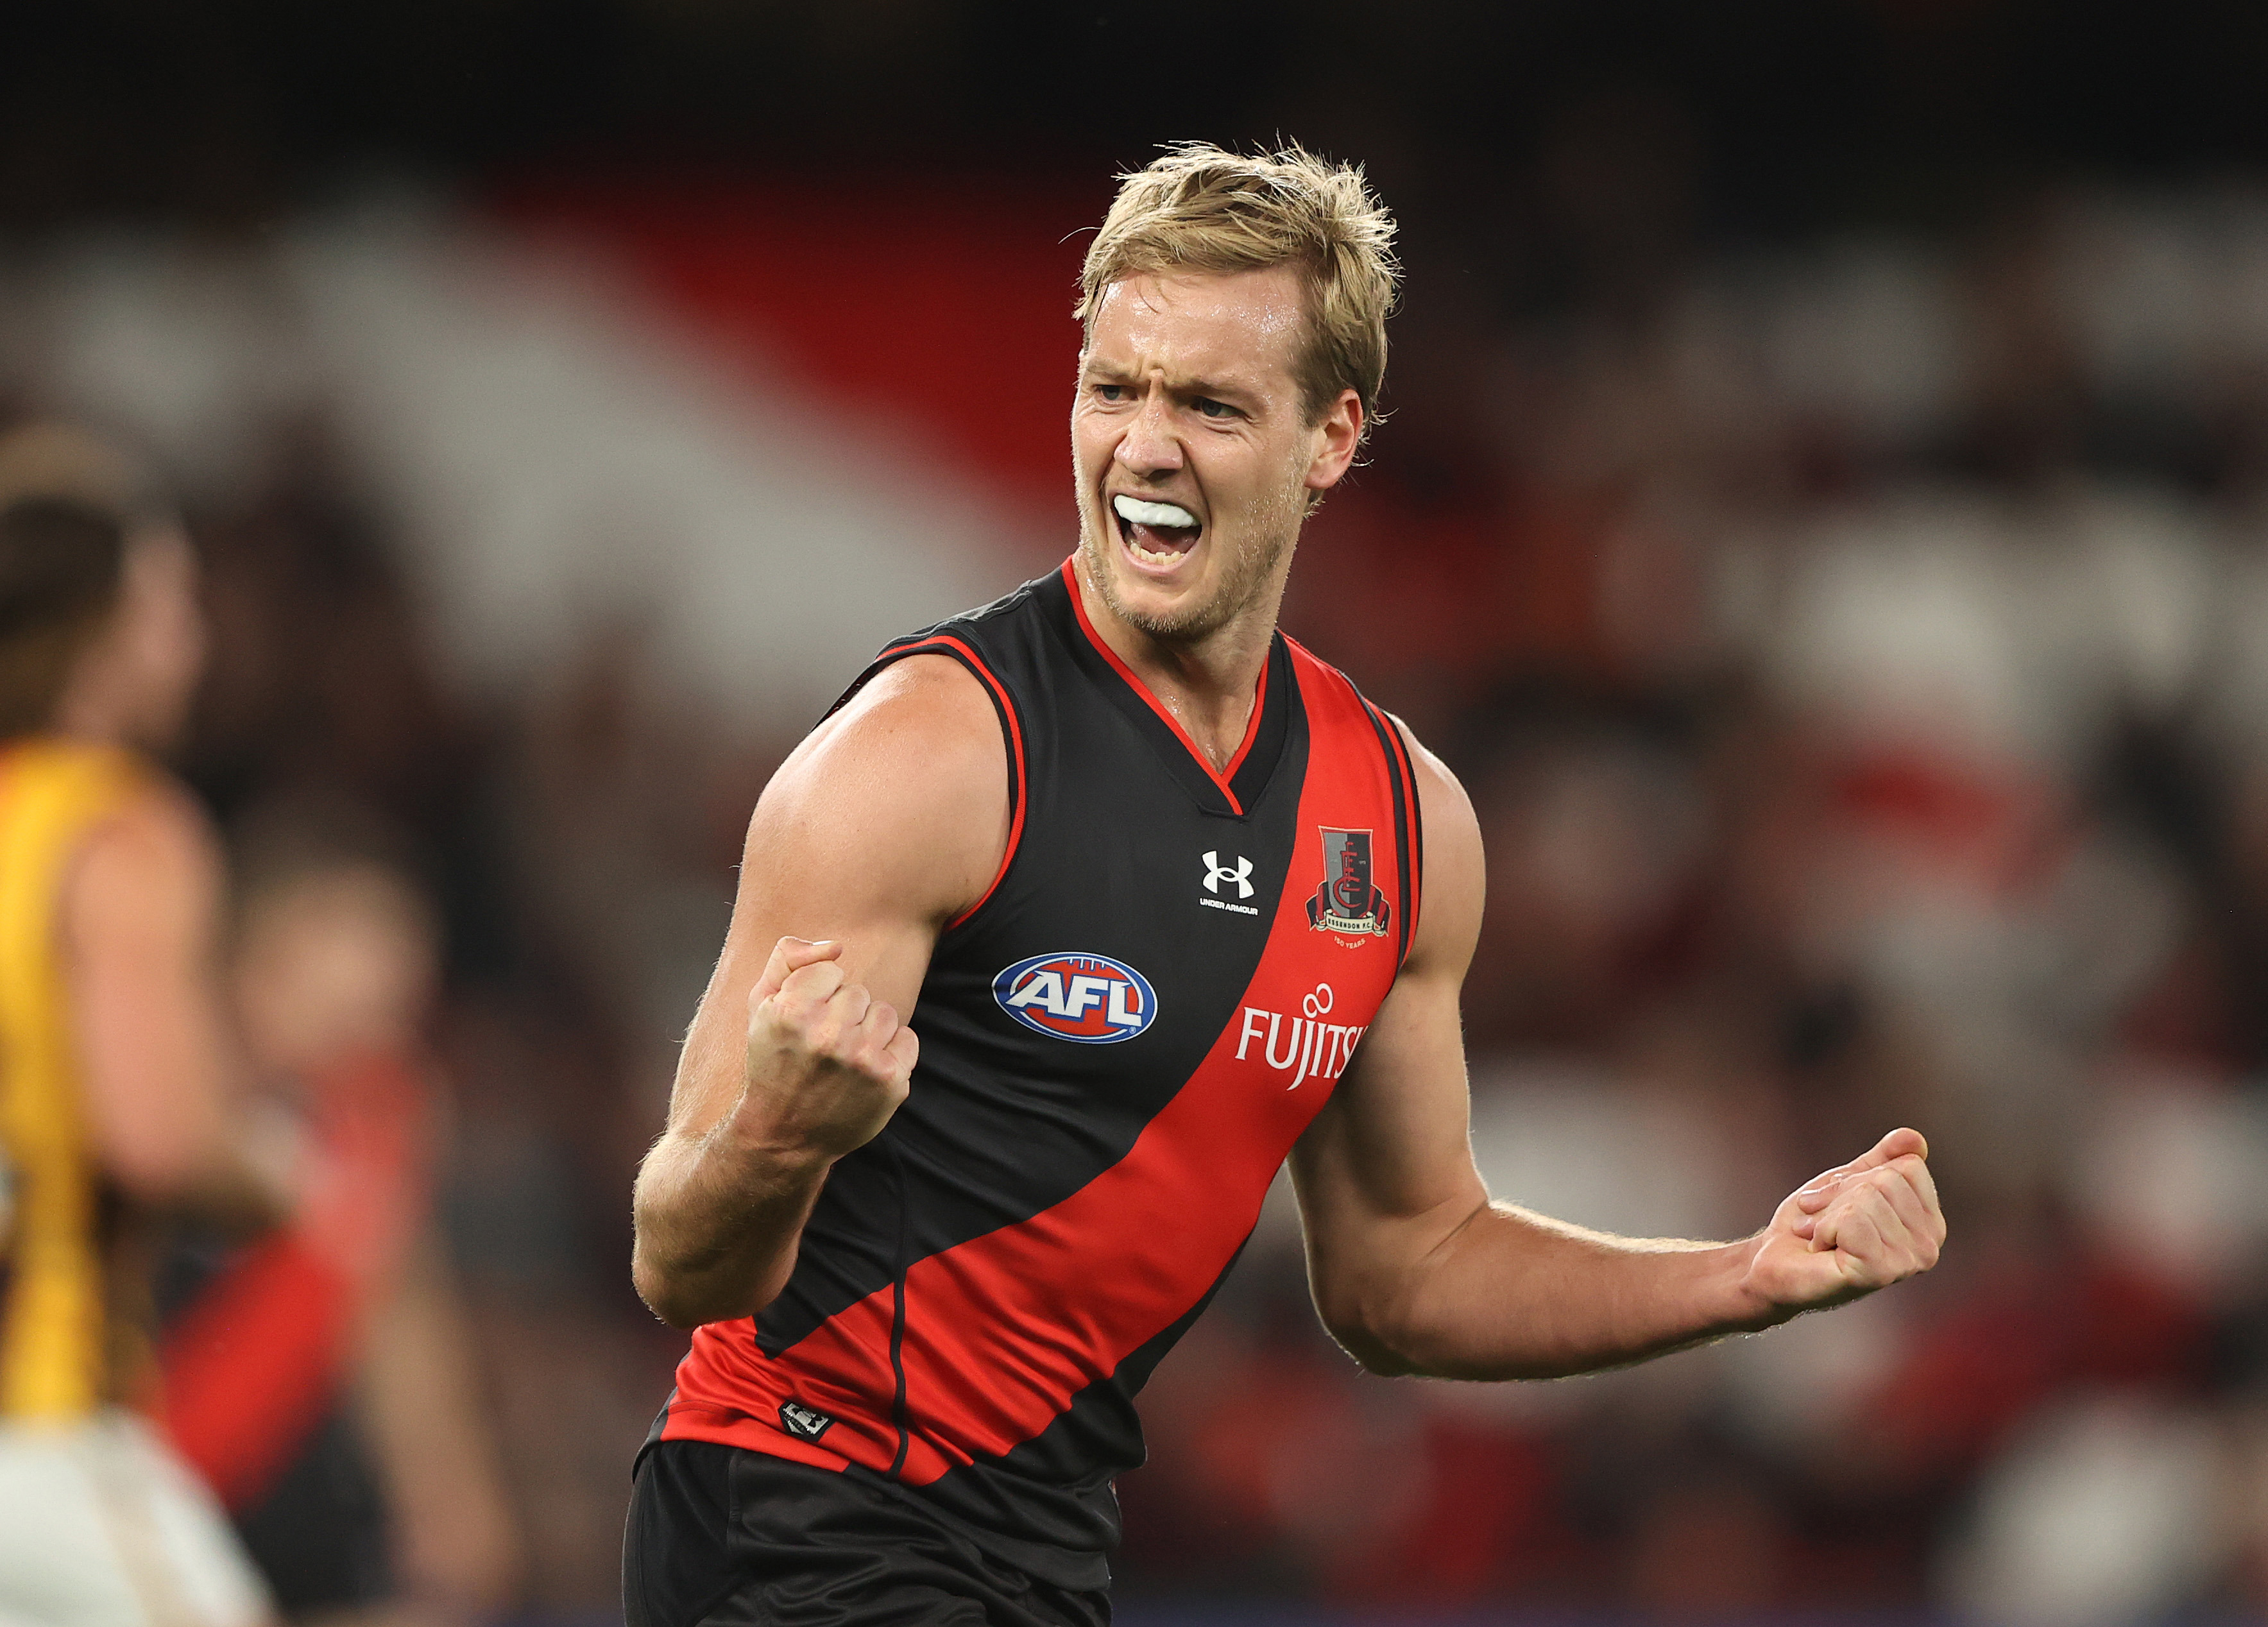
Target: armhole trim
column 1410, row 824
column 1012, row 733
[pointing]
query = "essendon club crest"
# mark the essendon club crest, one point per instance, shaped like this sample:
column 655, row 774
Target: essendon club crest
column 1347, row 902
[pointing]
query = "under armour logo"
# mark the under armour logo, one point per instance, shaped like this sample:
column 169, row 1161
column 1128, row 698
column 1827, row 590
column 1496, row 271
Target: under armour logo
column 806, row 1423
column 1240, row 872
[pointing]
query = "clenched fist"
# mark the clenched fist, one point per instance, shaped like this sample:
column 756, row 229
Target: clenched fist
column 826, row 1063
column 1865, row 1225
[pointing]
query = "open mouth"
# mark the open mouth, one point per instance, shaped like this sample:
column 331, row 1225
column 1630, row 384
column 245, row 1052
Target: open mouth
column 1156, row 533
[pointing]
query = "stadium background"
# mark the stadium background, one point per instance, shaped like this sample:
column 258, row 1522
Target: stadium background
column 1825, row 520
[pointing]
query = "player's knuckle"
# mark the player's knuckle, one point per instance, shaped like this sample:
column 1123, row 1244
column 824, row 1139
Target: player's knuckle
column 794, row 1003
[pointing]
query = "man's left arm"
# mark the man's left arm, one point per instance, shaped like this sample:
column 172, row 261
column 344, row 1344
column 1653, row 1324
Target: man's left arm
column 1414, row 1270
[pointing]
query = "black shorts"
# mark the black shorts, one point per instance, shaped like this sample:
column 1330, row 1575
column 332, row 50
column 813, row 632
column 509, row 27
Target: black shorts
column 320, row 1532
column 732, row 1538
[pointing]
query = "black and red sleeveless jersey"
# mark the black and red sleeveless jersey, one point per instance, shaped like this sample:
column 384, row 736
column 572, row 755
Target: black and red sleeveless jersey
column 1120, row 1042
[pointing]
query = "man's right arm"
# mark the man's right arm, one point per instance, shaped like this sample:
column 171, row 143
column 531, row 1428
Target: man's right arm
column 167, row 1087
column 886, row 823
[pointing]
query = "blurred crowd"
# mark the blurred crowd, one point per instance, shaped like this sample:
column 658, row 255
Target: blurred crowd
column 1857, row 652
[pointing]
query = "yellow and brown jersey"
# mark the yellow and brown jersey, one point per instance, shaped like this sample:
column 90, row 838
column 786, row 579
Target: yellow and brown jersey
column 60, row 1344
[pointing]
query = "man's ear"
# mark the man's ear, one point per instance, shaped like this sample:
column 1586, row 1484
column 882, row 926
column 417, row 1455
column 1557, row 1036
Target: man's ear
column 1337, row 439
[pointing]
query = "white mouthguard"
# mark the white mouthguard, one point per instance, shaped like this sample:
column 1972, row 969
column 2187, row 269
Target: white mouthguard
column 1135, row 511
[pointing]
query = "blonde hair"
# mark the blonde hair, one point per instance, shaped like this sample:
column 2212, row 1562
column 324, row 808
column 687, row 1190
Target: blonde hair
column 1202, row 207
column 42, row 459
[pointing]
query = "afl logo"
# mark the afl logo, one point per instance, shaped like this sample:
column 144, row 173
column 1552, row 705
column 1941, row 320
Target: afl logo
column 1090, row 998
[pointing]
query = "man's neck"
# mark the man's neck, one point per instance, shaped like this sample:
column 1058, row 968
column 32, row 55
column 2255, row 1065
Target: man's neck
column 1208, row 684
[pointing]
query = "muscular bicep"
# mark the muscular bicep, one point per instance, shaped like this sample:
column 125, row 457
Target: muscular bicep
column 889, row 820
column 1386, row 1170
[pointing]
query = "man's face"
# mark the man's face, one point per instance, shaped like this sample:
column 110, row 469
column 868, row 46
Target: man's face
column 1194, row 450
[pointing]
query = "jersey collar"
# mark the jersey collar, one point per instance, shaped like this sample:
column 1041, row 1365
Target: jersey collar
column 1231, row 792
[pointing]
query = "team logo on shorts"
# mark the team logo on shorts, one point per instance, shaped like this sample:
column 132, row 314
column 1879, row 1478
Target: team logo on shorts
column 1090, row 998
column 1347, row 902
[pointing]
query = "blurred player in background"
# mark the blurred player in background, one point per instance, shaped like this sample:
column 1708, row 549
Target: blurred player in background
column 1217, row 911
column 320, row 1378
column 121, row 1094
